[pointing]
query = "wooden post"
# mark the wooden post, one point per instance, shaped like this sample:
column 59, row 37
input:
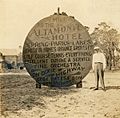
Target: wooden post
column 38, row 85
column 79, row 84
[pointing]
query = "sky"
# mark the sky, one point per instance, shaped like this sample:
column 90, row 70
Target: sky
column 17, row 17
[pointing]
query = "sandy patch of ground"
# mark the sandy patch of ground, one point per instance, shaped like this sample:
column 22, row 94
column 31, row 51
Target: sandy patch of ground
column 20, row 99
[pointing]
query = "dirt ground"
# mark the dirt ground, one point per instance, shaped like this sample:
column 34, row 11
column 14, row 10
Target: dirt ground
column 20, row 98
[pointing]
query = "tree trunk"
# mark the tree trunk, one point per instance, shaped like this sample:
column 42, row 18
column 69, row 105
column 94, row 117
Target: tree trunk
column 110, row 60
column 113, row 57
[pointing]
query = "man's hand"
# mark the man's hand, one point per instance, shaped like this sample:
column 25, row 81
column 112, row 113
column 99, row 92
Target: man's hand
column 103, row 69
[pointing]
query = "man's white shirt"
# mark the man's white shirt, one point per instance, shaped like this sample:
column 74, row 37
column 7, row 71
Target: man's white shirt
column 99, row 57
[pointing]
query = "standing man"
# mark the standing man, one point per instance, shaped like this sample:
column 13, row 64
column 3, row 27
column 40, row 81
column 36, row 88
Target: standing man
column 99, row 65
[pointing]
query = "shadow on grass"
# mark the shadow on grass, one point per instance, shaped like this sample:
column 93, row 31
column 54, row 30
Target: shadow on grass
column 19, row 92
column 112, row 87
column 107, row 87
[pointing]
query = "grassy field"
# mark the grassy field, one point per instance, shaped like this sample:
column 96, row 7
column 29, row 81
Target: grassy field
column 20, row 98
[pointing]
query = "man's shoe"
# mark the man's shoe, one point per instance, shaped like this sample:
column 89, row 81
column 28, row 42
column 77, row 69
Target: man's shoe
column 95, row 89
column 103, row 89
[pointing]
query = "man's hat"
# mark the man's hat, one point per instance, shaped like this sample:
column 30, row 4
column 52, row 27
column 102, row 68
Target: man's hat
column 96, row 48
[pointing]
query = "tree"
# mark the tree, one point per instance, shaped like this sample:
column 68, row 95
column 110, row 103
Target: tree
column 108, row 39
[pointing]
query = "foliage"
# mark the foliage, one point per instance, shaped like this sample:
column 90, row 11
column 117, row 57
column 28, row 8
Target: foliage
column 108, row 39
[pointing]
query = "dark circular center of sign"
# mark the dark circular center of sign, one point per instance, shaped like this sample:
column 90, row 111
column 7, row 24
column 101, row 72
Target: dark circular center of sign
column 58, row 51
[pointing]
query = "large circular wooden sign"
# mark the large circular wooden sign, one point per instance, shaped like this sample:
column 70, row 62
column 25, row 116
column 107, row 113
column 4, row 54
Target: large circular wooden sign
column 58, row 51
